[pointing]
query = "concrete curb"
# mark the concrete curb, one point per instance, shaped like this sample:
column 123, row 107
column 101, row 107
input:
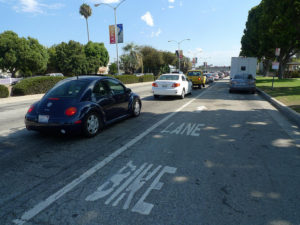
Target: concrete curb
column 39, row 96
column 287, row 111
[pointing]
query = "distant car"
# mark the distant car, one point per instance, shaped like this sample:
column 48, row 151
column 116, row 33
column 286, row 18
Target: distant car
column 216, row 76
column 209, row 77
column 197, row 78
column 83, row 104
column 55, row 74
column 242, row 82
column 172, row 85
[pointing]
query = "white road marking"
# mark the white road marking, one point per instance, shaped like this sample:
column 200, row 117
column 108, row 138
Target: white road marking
column 188, row 129
column 57, row 195
column 145, row 208
column 200, row 109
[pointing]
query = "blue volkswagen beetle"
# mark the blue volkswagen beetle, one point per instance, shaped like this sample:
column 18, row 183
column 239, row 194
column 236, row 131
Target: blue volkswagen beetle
column 83, row 104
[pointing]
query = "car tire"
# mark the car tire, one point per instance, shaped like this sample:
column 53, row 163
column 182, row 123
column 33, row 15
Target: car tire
column 182, row 94
column 136, row 108
column 92, row 124
column 156, row 96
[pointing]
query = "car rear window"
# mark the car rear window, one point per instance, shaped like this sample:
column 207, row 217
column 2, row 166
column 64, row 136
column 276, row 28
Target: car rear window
column 194, row 73
column 71, row 88
column 168, row 77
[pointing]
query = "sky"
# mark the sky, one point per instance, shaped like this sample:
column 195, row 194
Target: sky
column 214, row 27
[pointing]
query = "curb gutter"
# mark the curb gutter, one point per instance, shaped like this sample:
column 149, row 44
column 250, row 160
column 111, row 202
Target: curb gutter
column 287, row 111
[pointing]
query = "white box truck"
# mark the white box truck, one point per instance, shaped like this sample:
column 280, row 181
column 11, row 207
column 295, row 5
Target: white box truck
column 243, row 65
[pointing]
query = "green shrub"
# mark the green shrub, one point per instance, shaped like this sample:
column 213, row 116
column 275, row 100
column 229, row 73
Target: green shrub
column 146, row 78
column 35, row 85
column 130, row 79
column 292, row 74
column 3, row 91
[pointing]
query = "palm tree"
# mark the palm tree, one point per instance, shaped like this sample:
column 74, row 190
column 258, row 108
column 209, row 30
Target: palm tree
column 86, row 11
column 134, row 57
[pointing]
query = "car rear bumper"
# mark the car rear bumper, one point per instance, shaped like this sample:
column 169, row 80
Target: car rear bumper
column 70, row 128
column 167, row 92
column 243, row 88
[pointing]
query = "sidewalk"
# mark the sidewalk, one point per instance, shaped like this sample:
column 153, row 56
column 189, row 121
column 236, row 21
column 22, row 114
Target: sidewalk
column 285, row 110
column 39, row 96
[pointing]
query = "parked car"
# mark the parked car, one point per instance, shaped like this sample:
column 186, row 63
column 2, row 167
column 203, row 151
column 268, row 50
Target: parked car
column 83, row 105
column 242, row 82
column 216, row 76
column 55, row 74
column 172, row 85
column 209, row 77
column 197, row 77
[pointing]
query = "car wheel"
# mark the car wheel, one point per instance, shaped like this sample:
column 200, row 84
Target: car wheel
column 92, row 124
column 156, row 96
column 136, row 108
column 182, row 94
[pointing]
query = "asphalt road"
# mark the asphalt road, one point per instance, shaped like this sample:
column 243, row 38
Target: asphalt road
column 213, row 158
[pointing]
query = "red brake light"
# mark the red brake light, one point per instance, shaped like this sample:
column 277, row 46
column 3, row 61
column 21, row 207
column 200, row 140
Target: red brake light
column 199, row 78
column 154, row 84
column 55, row 99
column 71, row 111
column 175, row 84
column 30, row 109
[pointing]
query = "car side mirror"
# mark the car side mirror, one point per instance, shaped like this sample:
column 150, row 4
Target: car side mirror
column 128, row 90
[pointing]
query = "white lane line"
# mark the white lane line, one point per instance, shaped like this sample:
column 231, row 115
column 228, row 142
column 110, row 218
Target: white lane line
column 57, row 195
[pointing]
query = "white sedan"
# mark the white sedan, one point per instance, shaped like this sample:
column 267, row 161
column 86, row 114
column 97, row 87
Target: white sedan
column 172, row 85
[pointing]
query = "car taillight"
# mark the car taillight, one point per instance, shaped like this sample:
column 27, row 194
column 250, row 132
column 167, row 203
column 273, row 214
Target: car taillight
column 70, row 111
column 154, row 85
column 199, row 78
column 30, row 109
column 53, row 99
column 175, row 84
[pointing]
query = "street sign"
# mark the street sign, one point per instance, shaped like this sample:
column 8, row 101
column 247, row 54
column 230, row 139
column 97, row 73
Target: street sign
column 275, row 65
column 120, row 33
column 112, row 34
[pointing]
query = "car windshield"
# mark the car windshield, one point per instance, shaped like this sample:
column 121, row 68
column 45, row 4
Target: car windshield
column 68, row 89
column 168, row 77
column 194, row 73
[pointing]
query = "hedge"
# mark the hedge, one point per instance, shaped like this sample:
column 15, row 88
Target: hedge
column 292, row 74
column 4, row 93
column 35, row 85
column 40, row 85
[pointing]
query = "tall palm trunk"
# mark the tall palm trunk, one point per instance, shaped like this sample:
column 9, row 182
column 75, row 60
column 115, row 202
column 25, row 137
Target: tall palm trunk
column 87, row 28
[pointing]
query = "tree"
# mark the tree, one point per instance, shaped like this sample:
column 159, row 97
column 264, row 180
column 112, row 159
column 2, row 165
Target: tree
column 113, row 68
column 70, row 58
column 132, row 60
column 86, row 11
column 21, row 54
column 12, row 49
column 152, row 58
column 96, row 56
column 35, row 61
column 273, row 24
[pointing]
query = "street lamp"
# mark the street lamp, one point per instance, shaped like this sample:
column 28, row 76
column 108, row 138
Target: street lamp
column 179, row 42
column 116, row 30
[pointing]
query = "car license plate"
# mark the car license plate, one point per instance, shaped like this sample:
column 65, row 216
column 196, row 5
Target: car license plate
column 43, row 118
column 164, row 85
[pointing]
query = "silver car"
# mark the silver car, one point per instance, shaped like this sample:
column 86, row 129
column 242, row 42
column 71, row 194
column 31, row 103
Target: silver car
column 242, row 82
